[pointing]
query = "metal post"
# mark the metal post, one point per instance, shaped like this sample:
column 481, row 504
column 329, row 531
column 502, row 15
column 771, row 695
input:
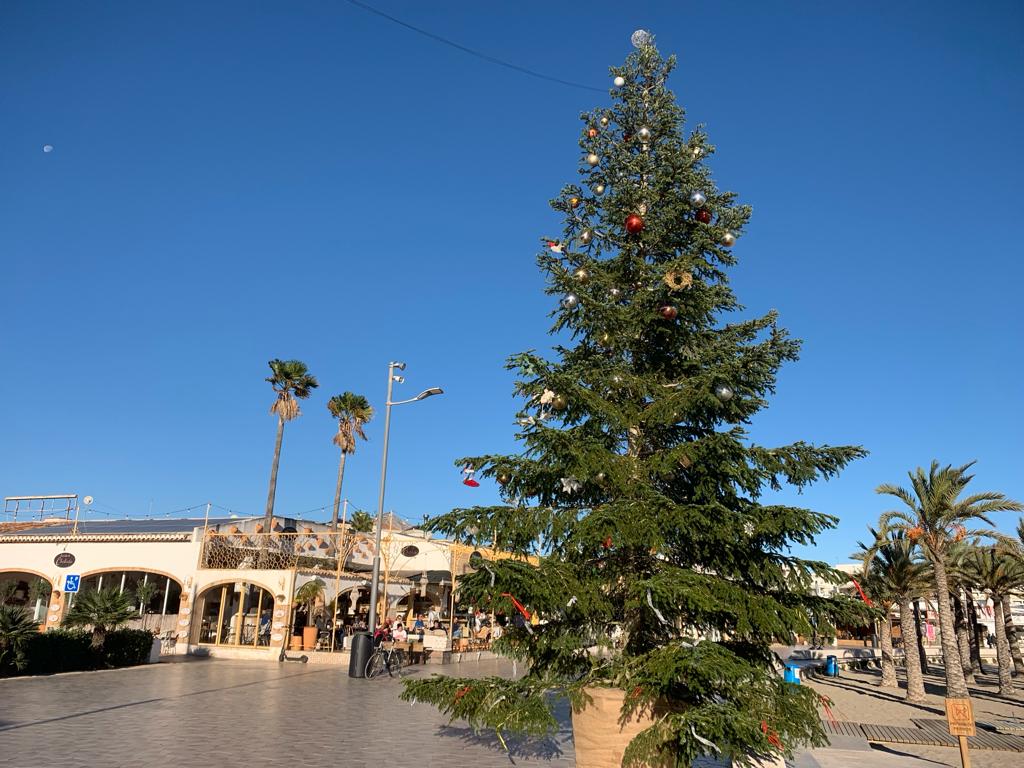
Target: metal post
column 380, row 503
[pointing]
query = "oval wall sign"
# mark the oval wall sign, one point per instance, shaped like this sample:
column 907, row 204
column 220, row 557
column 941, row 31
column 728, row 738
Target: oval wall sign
column 64, row 560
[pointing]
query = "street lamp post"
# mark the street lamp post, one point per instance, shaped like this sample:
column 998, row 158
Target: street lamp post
column 392, row 379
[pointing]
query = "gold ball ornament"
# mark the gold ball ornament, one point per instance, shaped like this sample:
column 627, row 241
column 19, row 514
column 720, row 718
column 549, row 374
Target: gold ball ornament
column 677, row 280
column 593, row 159
column 599, row 189
column 601, row 478
column 586, row 236
column 644, row 134
column 582, row 275
column 605, row 339
column 604, row 121
column 503, row 478
column 728, row 239
column 558, row 403
column 573, row 202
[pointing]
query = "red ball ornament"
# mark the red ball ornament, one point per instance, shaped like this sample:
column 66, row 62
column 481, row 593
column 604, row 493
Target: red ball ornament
column 669, row 312
column 634, row 224
column 704, row 216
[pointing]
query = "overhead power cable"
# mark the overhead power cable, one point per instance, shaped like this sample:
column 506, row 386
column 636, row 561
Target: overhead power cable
column 472, row 52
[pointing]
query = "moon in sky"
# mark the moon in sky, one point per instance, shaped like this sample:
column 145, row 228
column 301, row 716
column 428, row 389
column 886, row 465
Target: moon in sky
column 47, row 148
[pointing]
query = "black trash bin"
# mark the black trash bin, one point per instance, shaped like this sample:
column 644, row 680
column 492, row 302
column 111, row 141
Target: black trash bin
column 361, row 648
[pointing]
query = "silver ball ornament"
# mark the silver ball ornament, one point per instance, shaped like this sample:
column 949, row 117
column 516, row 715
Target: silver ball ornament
column 640, row 38
column 644, row 134
column 604, row 121
column 599, row 189
column 586, row 236
column 728, row 239
column 593, row 159
column 697, row 199
column 723, row 393
column 619, row 81
column 570, row 301
column 615, row 293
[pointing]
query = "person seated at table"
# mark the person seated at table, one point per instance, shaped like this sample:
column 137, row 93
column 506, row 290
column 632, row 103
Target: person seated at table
column 399, row 634
column 419, row 625
column 457, row 631
column 439, row 627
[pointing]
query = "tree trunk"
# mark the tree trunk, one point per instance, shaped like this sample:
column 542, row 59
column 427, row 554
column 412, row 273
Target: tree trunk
column 99, row 636
column 337, row 493
column 1002, row 650
column 1012, row 637
column 963, row 640
column 268, row 521
column 976, row 638
column 919, row 639
column 885, row 644
column 911, row 658
column 956, row 685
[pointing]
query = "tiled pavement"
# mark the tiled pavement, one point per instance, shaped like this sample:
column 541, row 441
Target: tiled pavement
column 220, row 714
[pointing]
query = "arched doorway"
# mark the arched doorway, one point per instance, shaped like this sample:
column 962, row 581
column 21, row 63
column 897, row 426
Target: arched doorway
column 156, row 596
column 236, row 613
column 27, row 590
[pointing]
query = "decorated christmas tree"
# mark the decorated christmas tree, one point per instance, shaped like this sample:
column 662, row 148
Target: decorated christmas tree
column 634, row 509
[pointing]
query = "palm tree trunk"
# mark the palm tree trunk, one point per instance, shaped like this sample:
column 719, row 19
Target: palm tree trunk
column 911, row 658
column 963, row 640
column 976, row 639
column 1003, row 651
column 885, row 643
column 337, row 493
column 269, row 519
column 1012, row 637
column 919, row 638
column 99, row 636
column 956, row 685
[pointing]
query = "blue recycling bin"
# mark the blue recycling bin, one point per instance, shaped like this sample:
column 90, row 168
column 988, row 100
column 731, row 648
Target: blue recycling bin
column 792, row 674
column 831, row 666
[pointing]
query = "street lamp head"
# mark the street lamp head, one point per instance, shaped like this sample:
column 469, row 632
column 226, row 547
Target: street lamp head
column 429, row 393
column 398, row 379
column 399, row 366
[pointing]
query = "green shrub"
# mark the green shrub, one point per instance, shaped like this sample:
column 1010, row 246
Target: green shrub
column 58, row 650
column 127, row 647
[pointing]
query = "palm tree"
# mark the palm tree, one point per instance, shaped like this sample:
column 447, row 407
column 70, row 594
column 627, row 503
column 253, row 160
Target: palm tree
column 352, row 412
column 16, row 627
column 145, row 591
column 995, row 571
column 307, row 596
column 935, row 517
column 895, row 574
column 361, row 522
column 955, row 556
column 291, row 382
column 103, row 610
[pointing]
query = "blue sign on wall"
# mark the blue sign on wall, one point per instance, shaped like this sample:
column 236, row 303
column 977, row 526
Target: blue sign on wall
column 71, row 582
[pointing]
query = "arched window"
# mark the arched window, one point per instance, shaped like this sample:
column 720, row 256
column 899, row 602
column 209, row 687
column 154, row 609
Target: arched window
column 236, row 614
column 156, row 596
column 26, row 590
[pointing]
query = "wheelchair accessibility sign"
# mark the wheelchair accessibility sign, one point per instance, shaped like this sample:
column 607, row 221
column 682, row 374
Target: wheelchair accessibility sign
column 71, row 582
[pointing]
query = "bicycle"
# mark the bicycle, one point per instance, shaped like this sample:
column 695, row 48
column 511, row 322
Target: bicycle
column 392, row 659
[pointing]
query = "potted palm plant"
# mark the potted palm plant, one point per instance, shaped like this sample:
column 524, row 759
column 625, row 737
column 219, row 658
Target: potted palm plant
column 307, row 597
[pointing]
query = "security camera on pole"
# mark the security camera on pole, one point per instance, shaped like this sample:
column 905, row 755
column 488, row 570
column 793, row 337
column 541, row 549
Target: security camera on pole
column 362, row 643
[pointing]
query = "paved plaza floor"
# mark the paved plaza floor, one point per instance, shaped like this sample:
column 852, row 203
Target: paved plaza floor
column 222, row 714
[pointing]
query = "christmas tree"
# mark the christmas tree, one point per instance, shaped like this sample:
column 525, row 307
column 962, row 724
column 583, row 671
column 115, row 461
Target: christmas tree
column 660, row 573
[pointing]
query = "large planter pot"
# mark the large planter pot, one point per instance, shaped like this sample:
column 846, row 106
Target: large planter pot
column 309, row 638
column 295, row 643
column 600, row 738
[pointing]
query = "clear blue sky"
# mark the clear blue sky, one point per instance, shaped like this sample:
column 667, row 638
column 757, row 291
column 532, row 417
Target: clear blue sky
column 237, row 181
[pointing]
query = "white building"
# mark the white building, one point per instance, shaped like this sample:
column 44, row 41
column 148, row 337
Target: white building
column 224, row 586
